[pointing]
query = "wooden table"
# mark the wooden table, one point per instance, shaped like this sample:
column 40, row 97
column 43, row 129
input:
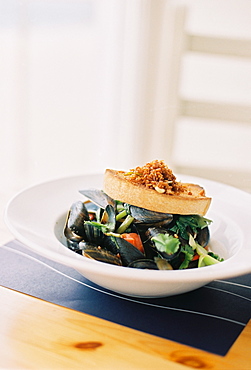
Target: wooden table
column 35, row 334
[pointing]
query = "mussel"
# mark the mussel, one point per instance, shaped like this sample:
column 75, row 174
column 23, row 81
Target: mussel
column 109, row 243
column 164, row 242
column 77, row 216
column 97, row 253
column 148, row 217
column 109, row 217
column 74, row 226
column 162, row 264
column 73, row 245
column 78, row 225
column 98, row 197
column 93, row 234
column 144, row 263
column 128, row 253
column 203, row 236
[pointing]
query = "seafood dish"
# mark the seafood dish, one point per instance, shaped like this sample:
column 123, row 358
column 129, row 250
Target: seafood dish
column 143, row 219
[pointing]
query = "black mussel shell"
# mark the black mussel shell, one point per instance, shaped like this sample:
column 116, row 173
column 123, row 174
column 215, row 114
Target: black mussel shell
column 193, row 264
column 73, row 245
column 109, row 217
column 154, row 231
column 71, row 236
column 170, row 257
column 98, row 197
column 90, row 206
column 109, row 243
column 144, row 264
column 93, row 234
column 150, row 250
column 77, row 216
column 99, row 254
column 203, row 236
column 128, row 253
column 149, row 217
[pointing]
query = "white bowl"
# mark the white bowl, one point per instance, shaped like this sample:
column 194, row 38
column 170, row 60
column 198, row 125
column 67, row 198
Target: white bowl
column 36, row 217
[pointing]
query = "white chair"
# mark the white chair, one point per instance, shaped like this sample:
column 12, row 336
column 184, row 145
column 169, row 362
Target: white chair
column 207, row 136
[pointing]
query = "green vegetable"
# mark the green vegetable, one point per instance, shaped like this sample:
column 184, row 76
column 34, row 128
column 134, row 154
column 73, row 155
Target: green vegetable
column 119, row 206
column 125, row 224
column 215, row 256
column 186, row 224
column 188, row 253
column 166, row 243
column 103, row 227
column 205, row 258
column 121, row 214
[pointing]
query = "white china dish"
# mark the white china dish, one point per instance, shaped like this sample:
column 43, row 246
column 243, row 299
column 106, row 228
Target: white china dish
column 36, row 217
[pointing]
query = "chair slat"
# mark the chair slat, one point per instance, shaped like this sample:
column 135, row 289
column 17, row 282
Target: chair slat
column 219, row 45
column 213, row 110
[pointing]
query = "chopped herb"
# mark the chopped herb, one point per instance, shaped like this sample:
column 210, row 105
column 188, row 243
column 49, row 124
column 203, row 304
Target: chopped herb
column 190, row 223
column 188, row 256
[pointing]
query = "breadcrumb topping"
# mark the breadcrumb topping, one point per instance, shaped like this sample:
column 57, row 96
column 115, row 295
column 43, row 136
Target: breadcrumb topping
column 156, row 175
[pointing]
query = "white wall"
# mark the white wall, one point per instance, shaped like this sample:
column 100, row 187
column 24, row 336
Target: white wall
column 79, row 81
column 53, row 71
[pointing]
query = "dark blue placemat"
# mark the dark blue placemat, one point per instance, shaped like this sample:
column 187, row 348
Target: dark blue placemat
column 210, row 318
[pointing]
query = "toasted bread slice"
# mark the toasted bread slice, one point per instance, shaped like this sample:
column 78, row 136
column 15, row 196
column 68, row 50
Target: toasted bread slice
column 192, row 201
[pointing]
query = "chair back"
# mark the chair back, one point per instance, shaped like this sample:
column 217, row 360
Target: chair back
column 210, row 122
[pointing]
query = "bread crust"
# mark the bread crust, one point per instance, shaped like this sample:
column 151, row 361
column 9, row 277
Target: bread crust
column 119, row 188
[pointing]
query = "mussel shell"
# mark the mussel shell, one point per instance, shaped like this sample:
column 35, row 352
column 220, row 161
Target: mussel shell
column 203, row 236
column 77, row 216
column 128, row 253
column 90, row 206
column 71, row 236
column 93, row 234
column 193, row 264
column 177, row 261
column 98, row 197
column 149, row 217
column 150, row 251
column 109, row 243
column 73, row 245
column 162, row 264
column 143, row 264
column 154, row 231
column 93, row 252
column 92, row 209
column 109, row 217
column 170, row 257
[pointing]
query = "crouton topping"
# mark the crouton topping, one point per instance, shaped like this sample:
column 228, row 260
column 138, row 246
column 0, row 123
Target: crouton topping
column 155, row 175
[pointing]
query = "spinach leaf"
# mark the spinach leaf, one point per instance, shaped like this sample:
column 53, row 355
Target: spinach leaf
column 186, row 224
